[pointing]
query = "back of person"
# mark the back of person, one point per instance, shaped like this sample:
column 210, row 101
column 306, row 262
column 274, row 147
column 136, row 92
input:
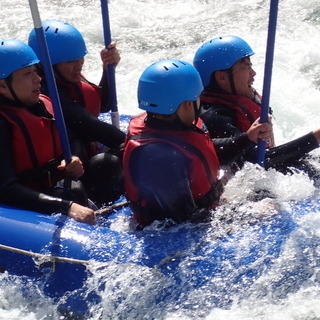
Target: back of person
column 170, row 164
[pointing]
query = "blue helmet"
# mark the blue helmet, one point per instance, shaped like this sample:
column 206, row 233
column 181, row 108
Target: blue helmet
column 15, row 55
column 220, row 54
column 164, row 85
column 65, row 43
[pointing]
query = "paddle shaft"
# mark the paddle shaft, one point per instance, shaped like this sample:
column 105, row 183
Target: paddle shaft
column 53, row 92
column 110, row 67
column 111, row 208
column 267, row 75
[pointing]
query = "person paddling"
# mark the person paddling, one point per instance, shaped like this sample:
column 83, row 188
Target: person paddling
column 170, row 164
column 31, row 162
column 81, row 103
column 230, row 105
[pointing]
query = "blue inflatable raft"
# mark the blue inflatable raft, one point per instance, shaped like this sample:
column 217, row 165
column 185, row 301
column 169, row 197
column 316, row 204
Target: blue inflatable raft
column 58, row 252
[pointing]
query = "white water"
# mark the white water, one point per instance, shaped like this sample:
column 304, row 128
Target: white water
column 149, row 30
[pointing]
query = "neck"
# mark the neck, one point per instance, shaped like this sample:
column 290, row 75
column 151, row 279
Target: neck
column 165, row 122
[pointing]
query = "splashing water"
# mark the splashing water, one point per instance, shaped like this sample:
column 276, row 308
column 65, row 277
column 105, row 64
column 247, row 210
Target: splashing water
column 150, row 30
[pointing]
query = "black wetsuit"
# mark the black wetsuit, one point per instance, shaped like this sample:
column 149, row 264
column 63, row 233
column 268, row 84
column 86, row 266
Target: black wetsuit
column 13, row 192
column 160, row 171
column 220, row 119
column 81, row 124
column 103, row 178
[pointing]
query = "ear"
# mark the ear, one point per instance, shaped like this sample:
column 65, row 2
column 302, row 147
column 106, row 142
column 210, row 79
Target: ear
column 187, row 105
column 221, row 76
column 184, row 109
column 222, row 79
column 3, row 87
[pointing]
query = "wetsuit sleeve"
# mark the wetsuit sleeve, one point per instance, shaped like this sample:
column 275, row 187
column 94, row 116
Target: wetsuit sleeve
column 287, row 154
column 161, row 173
column 12, row 192
column 105, row 99
column 220, row 122
column 232, row 149
column 87, row 127
column 230, row 143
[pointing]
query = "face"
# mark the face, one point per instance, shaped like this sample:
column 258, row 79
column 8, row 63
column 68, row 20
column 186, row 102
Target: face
column 26, row 85
column 243, row 77
column 71, row 70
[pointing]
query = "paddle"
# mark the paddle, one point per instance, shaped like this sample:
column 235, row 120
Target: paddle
column 267, row 75
column 53, row 92
column 111, row 71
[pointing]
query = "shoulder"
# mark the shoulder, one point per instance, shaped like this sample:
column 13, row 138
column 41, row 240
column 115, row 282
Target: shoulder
column 4, row 124
column 159, row 153
column 215, row 109
column 158, row 160
column 159, row 149
column 216, row 113
column 5, row 131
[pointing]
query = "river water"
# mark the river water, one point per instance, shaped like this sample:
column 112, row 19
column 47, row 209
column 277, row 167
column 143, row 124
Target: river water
column 150, row 30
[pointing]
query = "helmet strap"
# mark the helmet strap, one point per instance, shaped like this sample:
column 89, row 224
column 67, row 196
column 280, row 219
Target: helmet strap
column 231, row 81
column 178, row 120
column 58, row 73
column 196, row 112
column 196, row 115
column 15, row 97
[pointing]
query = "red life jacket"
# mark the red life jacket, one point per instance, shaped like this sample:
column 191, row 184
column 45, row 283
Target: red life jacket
column 246, row 110
column 90, row 94
column 89, row 97
column 35, row 141
column 195, row 145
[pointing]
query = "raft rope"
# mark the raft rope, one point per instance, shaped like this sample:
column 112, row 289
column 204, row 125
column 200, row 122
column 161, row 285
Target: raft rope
column 52, row 259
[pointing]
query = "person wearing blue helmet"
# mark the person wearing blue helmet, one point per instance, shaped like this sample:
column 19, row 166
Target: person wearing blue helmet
column 82, row 102
column 170, row 164
column 231, row 107
column 31, row 155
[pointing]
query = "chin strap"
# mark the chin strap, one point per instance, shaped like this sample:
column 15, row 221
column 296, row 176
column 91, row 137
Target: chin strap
column 58, row 73
column 15, row 98
column 231, row 80
column 196, row 112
